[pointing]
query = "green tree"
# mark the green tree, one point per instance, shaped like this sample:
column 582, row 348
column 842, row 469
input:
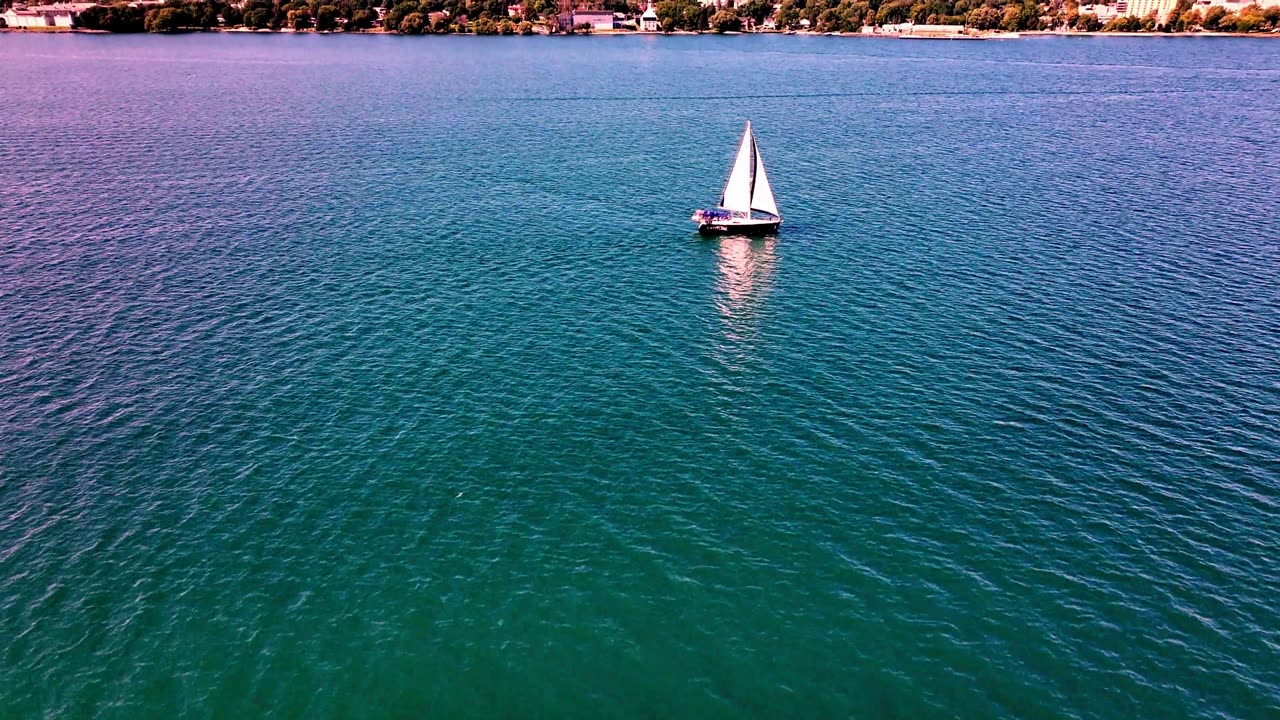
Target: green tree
column 1122, row 24
column 1175, row 15
column 757, row 10
column 114, row 18
column 726, row 20
column 166, row 20
column 361, row 19
column 506, row 27
column 300, row 19
column 1011, row 20
column 1251, row 18
column 1089, row 22
column 860, row 8
column 984, row 18
column 326, row 18
column 672, row 14
column 396, row 15
column 208, row 18
column 525, row 28
column 697, row 17
column 892, row 12
column 815, row 8
column 413, row 24
column 484, row 26
column 787, row 14
column 279, row 15
column 1248, row 22
column 1212, row 17
column 1031, row 16
column 257, row 19
column 91, row 19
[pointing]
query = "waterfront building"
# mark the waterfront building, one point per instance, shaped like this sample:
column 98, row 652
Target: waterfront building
column 515, row 11
column 1104, row 13
column 649, row 20
column 1231, row 6
column 910, row 29
column 596, row 19
column 1143, row 8
column 933, row 31
column 1164, row 8
column 58, row 15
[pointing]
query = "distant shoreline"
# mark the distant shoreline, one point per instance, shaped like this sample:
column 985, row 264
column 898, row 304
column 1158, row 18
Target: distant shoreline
column 607, row 33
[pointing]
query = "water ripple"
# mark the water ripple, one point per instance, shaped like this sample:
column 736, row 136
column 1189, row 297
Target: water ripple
column 365, row 377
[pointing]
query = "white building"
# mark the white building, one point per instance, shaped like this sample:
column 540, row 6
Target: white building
column 598, row 20
column 1104, row 13
column 58, row 15
column 1231, row 6
column 934, row 31
column 649, row 20
column 1163, row 8
column 1143, row 8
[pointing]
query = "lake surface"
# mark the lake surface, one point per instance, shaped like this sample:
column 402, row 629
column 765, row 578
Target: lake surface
column 364, row 377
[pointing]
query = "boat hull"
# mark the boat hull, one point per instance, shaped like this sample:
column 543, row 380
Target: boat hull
column 740, row 227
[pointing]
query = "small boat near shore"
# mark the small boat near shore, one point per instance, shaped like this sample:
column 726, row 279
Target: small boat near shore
column 747, row 206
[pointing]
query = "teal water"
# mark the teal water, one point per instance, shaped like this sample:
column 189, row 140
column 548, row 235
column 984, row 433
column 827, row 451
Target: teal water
column 365, row 377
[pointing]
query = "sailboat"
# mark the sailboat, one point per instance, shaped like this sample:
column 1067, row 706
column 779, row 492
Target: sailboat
column 746, row 206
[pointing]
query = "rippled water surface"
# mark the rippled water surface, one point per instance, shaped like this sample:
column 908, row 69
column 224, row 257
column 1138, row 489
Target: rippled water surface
column 363, row 377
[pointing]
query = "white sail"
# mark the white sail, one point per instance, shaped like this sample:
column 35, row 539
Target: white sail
column 737, row 192
column 761, row 193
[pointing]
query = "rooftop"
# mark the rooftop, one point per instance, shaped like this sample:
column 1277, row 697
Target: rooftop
column 54, row 7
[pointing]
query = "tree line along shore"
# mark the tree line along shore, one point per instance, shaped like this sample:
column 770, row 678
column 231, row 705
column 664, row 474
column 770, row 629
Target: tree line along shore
column 498, row 17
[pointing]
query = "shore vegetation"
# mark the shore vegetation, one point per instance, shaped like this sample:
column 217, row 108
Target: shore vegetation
column 493, row 17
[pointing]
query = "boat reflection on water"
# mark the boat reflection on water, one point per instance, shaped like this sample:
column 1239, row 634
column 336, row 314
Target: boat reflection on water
column 746, row 268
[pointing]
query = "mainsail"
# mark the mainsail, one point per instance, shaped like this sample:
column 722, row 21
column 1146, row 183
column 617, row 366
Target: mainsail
column 737, row 192
column 748, row 187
